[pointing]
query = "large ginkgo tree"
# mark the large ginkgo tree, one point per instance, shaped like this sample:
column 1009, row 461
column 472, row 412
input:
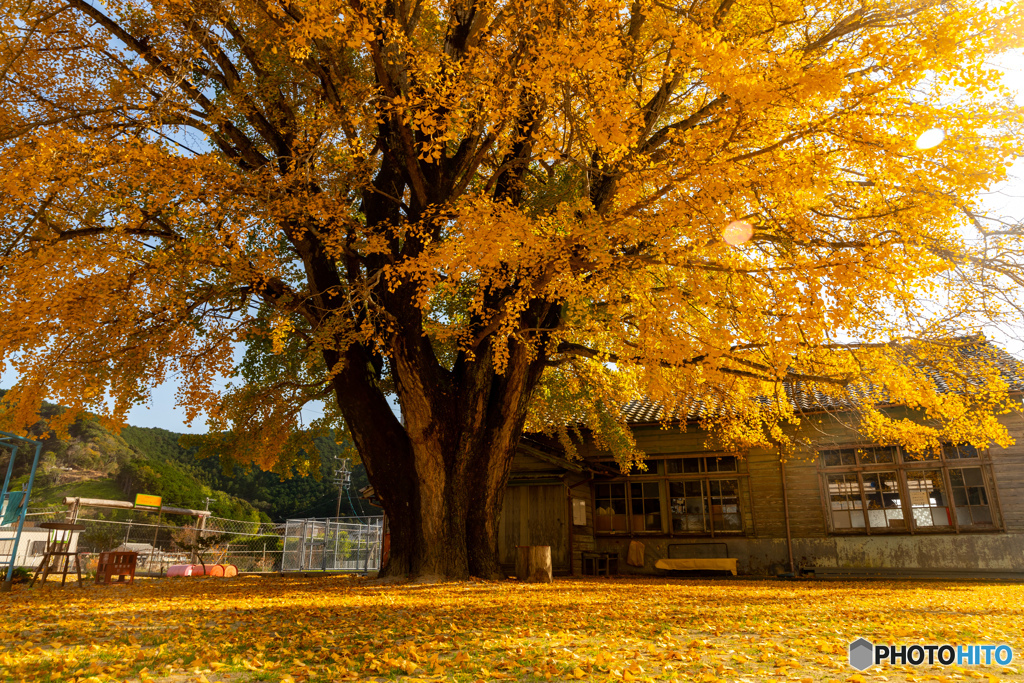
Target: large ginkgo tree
column 442, row 220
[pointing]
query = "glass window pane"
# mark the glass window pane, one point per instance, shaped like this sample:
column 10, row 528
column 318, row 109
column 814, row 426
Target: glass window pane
column 646, row 506
column 727, row 463
column 876, row 454
column 981, row 515
column 610, row 507
column 689, row 508
column 841, row 519
column 693, row 465
column 845, row 501
column 674, row 465
column 909, row 456
column 839, row 456
column 653, row 467
column 972, row 476
column 882, row 491
column 967, row 451
column 928, row 498
column 725, row 509
column 959, row 451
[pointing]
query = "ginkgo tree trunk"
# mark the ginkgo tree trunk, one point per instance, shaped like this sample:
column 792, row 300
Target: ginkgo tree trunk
column 497, row 216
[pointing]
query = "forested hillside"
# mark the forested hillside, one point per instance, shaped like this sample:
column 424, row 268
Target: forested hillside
column 95, row 462
column 266, row 491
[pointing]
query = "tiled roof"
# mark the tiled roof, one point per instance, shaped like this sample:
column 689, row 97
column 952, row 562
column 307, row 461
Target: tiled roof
column 806, row 397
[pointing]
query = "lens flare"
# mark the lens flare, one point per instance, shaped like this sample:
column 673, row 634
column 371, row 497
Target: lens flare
column 737, row 233
column 932, row 137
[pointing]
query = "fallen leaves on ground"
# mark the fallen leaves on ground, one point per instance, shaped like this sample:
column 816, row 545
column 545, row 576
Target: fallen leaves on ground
column 299, row 630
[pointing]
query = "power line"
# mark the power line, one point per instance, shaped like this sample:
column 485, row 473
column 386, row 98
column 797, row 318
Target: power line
column 343, row 479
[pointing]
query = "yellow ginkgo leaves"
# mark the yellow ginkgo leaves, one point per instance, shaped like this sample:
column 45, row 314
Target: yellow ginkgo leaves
column 316, row 630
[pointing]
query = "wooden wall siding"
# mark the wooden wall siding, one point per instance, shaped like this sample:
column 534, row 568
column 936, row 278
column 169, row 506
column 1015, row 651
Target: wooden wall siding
column 1008, row 472
column 524, row 463
column 578, row 486
column 766, row 495
column 806, row 516
column 535, row 515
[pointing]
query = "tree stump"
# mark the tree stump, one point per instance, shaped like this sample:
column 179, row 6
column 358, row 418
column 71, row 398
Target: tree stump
column 533, row 563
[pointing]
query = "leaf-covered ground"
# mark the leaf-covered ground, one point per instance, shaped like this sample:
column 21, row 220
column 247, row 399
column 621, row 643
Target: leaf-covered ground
column 336, row 628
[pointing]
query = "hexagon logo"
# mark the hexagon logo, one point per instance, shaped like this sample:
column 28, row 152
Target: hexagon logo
column 862, row 654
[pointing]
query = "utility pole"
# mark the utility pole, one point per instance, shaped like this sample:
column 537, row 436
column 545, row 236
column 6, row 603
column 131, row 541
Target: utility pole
column 343, row 478
column 208, row 499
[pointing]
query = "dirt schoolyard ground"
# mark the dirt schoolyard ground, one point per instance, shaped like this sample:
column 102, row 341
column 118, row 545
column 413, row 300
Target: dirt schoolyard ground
column 342, row 628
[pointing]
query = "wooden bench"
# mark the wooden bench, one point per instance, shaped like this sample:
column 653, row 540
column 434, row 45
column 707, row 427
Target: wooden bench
column 119, row 564
column 599, row 564
column 698, row 556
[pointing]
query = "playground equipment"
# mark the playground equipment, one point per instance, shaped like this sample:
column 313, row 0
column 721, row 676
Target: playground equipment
column 14, row 504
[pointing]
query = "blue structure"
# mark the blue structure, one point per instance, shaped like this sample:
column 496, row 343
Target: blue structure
column 14, row 504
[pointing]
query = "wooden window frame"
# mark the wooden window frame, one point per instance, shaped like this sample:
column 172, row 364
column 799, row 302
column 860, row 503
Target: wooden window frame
column 901, row 465
column 663, row 478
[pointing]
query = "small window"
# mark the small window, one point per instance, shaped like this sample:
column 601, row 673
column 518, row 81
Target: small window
column 610, row 507
column 725, row 504
column 845, row 501
column 959, row 451
column 646, row 500
column 693, row 465
column 928, row 455
column 969, row 496
column 876, row 454
column 725, row 463
column 929, row 500
column 882, row 493
column 653, row 467
column 689, row 507
column 839, row 457
column 37, row 548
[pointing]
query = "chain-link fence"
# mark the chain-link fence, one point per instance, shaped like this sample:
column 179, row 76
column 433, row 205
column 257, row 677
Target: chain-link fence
column 333, row 544
column 161, row 540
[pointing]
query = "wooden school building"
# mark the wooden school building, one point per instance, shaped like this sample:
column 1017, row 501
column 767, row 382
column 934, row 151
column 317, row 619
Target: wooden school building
column 847, row 507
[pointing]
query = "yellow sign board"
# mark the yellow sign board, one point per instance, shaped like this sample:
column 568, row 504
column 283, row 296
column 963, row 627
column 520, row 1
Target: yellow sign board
column 144, row 500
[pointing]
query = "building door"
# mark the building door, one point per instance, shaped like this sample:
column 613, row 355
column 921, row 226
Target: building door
column 534, row 515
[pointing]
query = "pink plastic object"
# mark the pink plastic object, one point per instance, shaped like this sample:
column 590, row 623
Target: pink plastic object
column 185, row 570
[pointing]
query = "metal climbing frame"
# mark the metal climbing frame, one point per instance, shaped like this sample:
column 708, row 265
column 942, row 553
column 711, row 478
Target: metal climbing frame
column 19, row 499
